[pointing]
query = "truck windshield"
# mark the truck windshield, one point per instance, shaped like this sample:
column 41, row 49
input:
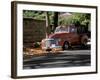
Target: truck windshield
column 61, row 29
column 69, row 29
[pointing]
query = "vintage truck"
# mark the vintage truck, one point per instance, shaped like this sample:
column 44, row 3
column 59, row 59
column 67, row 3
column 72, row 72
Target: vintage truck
column 65, row 39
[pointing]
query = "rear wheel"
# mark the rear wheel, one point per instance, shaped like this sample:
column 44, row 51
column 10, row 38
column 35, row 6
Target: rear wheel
column 66, row 46
column 84, row 41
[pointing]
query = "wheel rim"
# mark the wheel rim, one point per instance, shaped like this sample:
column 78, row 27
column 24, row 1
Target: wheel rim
column 66, row 46
column 85, row 42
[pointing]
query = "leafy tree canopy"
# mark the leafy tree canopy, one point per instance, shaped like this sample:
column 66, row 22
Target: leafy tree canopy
column 74, row 18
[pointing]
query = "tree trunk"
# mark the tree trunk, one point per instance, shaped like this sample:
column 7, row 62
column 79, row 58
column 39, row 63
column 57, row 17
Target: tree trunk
column 47, row 24
column 55, row 20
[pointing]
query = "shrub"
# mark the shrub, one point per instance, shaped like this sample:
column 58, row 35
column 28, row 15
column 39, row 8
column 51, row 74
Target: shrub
column 36, row 44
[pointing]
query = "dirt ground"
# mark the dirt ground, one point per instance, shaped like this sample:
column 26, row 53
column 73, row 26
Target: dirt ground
column 30, row 52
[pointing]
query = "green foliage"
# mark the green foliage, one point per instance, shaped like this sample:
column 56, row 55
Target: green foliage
column 36, row 44
column 35, row 14
column 74, row 18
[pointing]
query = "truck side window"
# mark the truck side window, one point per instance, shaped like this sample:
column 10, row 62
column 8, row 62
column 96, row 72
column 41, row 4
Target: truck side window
column 80, row 30
column 73, row 30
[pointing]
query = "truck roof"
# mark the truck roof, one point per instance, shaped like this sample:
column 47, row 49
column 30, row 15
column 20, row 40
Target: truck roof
column 57, row 34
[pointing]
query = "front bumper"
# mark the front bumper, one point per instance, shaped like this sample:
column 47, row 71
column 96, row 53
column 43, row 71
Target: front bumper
column 52, row 48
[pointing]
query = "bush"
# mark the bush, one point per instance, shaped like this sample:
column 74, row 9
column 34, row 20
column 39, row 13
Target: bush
column 36, row 44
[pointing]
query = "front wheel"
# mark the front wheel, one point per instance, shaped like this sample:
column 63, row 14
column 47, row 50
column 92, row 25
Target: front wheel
column 66, row 46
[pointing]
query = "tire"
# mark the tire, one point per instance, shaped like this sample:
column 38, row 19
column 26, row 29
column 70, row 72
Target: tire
column 84, row 41
column 66, row 46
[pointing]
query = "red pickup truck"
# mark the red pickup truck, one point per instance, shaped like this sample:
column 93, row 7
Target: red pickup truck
column 64, row 40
